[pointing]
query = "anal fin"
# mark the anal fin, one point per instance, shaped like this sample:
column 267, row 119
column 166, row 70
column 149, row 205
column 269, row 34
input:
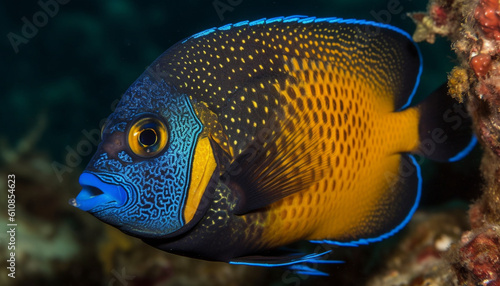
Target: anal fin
column 294, row 261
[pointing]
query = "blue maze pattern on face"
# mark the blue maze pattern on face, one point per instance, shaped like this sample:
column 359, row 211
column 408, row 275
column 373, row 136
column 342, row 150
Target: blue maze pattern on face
column 157, row 186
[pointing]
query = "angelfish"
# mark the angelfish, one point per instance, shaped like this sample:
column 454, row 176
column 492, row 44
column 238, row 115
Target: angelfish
column 244, row 138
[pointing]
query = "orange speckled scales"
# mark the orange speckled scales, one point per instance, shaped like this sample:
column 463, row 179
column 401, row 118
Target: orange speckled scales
column 335, row 91
column 359, row 137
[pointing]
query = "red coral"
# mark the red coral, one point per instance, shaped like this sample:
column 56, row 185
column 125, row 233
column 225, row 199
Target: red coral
column 488, row 17
column 481, row 256
column 476, row 215
column 439, row 14
column 481, row 64
column 428, row 252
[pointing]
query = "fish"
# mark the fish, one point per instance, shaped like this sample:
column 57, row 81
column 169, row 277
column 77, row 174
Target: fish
column 242, row 139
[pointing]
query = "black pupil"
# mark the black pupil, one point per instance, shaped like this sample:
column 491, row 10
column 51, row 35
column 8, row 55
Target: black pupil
column 147, row 137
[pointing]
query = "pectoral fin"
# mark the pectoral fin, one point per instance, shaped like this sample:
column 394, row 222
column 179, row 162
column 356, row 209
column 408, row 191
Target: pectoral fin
column 282, row 160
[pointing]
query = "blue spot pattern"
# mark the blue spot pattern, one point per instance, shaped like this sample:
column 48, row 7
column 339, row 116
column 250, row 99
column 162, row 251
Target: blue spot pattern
column 157, row 187
column 104, row 163
column 120, row 127
column 125, row 157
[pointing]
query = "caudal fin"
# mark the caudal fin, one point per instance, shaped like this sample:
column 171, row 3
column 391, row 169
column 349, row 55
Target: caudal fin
column 445, row 128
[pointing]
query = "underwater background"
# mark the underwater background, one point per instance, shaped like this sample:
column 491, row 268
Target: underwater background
column 66, row 63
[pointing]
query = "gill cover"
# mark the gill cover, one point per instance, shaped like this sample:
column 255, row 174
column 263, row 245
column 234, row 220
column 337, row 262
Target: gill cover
column 139, row 178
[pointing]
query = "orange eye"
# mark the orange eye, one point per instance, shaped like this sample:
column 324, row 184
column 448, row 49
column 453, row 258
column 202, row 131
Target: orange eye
column 147, row 137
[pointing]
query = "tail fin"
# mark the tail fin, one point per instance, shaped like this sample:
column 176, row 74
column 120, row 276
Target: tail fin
column 445, row 128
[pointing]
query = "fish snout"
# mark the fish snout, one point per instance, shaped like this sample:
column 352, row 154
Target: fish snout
column 96, row 193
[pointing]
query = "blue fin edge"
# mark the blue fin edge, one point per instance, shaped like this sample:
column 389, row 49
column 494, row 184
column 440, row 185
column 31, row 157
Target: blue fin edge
column 365, row 241
column 308, row 258
column 296, row 265
column 306, row 270
column 306, row 20
column 465, row 151
column 299, row 19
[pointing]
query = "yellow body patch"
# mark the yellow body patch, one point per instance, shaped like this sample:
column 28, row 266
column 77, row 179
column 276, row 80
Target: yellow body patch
column 203, row 167
column 359, row 139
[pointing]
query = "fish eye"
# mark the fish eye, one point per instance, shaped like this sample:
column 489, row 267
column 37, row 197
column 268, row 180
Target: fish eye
column 147, row 137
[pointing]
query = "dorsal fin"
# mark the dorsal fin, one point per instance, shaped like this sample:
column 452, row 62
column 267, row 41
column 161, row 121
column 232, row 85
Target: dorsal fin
column 216, row 65
column 394, row 59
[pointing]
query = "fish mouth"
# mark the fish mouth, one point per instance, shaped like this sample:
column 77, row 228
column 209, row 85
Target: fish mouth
column 96, row 193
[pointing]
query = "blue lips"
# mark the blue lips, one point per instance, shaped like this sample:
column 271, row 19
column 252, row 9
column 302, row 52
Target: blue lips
column 98, row 193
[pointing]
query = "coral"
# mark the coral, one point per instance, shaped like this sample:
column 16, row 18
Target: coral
column 427, row 28
column 420, row 257
column 478, row 48
column 458, row 83
column 481, row 64
column 439, row 20
column 476, row 258
column 479, row 257
column 488, row 17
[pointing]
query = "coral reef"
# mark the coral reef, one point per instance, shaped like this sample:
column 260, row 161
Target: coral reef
column 475, row 35
column 479, row 257
column 438, row 21
column 418, row 258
